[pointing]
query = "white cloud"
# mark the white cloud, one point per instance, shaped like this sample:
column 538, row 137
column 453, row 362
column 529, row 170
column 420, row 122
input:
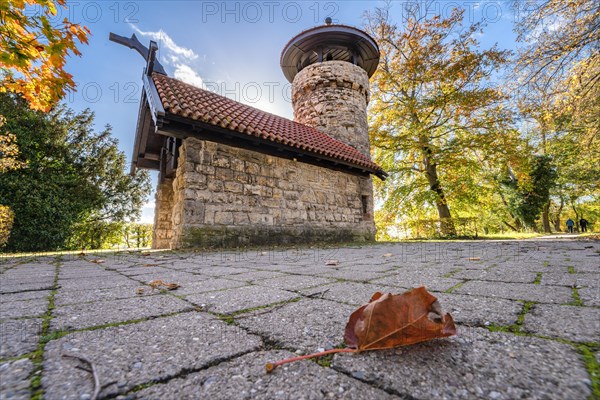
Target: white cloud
column 186, row 74
column 166, row 43
column 178, row 57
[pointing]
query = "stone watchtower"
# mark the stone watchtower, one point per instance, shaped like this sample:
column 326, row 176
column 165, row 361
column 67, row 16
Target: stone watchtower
column 329, row 67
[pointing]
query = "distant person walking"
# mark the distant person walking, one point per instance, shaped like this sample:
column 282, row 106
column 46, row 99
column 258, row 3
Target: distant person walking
column 570, row 223
column 583, row 224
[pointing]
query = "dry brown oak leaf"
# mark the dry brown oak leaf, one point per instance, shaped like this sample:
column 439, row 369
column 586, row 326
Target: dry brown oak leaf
column 155, row 284
column 391, row 320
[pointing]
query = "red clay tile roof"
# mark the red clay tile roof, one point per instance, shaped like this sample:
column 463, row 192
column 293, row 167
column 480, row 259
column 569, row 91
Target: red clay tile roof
column 181, row 99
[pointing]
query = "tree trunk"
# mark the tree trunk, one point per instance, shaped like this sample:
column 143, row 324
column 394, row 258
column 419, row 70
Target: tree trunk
column 446, row 223
column 546, row 217
column 510, row 226
column 576, row 217
column 557, row 215
column 518, row 225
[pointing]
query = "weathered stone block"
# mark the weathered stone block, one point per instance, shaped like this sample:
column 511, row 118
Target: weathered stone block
column 223, row 218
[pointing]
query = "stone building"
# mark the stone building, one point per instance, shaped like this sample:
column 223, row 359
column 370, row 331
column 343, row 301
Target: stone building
column 231, row 174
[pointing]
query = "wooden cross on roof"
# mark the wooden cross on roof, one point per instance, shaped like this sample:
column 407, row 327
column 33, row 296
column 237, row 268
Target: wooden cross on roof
column 152, row 64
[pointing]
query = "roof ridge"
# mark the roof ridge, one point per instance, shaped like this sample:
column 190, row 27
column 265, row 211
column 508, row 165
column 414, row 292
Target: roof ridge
column 189, row 101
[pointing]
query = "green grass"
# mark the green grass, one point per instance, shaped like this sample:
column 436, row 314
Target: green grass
column 576, row 299
column 571, row 270
column 538, row 279
column 453, row 288
column 593, row 368
column 515, row 328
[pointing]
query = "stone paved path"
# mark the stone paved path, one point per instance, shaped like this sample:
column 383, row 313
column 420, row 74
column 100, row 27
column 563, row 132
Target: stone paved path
column 528, row 315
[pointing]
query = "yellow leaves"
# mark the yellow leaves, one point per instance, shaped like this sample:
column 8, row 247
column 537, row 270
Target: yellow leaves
column 9, row 150
column 33, row 52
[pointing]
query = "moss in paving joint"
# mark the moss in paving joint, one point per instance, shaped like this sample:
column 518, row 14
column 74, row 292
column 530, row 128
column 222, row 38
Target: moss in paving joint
column 515, row 328
column 37, row 357
column 538, row 279
column 593, row 368
column 571, row 269
column 326, row 361
column 490, row 267
column 526, row 308
column 17, row 358
column 576, row 299
column 230, row 317
column 453, row 288
column 546, row 264
column 454, row 271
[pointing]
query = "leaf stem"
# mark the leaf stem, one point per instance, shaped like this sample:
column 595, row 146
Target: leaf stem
column 271, row 366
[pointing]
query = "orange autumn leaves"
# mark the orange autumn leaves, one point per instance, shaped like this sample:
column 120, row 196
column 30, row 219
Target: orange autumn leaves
column 34, row 50
column 389, row 321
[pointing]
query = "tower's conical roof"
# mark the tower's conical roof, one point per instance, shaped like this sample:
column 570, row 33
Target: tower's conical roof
column 329, row 42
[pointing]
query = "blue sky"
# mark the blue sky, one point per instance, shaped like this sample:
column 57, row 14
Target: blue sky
column 230, row 47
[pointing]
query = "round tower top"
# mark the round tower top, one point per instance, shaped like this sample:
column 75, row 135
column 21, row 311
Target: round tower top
column 326, row 43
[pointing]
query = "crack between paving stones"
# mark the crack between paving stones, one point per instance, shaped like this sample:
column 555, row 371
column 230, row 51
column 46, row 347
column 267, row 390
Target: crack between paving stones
column 374, row 384
column 30, row 290
column 25, row 260
column 181, row 374
column 35, row 378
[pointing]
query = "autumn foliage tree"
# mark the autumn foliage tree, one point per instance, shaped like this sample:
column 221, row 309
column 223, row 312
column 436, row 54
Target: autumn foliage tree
column 34, row 51
column 558, row 68
column 433, row 108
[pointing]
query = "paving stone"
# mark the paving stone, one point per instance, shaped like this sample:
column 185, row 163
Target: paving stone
column 352, row 293
column 65, row 297
column 19, row 336
column 134, row 354
column 580, row 324
column 219, row 271
column 21, row 296
column 244, row 378
column 362, row 267
column 313, row 270
column 143, row 270
column 480, row 311
column 204, row 284
column 20, row 309
column 28, row 269
column 566, row 279
column 592, row 265
column 14, row 287
column 232, row 300
column 14, row 384
column 294, row 282
column 517, row 291
column 357, row 276
column 590, row 296
column 497, row 274
column 256, row 276
column 306, row 325
column 477, row 364
column 86, row 315
column 113, row 280
column 180, row 277
column 86, row 274
column 427, row 277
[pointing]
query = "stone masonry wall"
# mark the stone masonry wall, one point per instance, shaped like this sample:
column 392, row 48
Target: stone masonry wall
column 163, row 215
column 224, row 196
column 332, row 97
